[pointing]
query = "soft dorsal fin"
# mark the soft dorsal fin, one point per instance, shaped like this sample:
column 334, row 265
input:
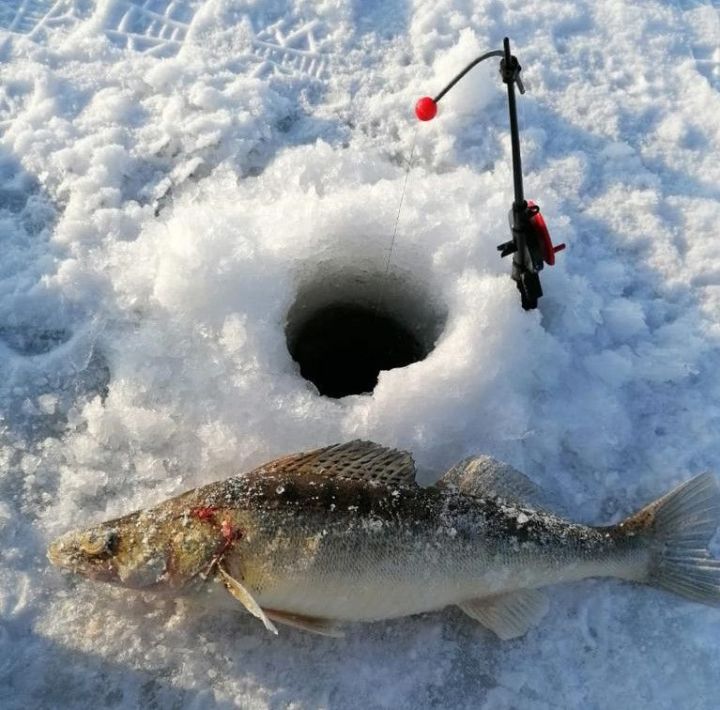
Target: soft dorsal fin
column 355, row 460
column 487, row 477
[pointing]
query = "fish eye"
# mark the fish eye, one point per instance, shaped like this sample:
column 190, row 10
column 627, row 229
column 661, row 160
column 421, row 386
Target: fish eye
column 96, row 544
column 111, row 541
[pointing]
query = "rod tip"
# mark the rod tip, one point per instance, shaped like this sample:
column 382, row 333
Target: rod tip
column 426, row 108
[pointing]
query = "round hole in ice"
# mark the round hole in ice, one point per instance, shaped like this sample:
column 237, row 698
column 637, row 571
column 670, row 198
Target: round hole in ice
column 32, row 340
column 346, row 326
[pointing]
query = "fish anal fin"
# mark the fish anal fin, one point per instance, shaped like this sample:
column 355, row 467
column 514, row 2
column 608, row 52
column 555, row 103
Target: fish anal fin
column 508, row 615
column 245, row 598
column 355, row 460
column 484, row 476
column 313, row 624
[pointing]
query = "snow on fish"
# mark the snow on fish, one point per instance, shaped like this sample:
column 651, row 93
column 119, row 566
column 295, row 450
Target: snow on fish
column 344, row 534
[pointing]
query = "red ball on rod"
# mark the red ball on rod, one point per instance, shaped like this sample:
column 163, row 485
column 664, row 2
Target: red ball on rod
column 426, row 108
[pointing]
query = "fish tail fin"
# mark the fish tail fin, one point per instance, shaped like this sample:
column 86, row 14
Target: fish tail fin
column 680, row 526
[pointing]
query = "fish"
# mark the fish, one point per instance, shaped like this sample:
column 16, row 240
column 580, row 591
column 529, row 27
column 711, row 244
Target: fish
column 344, row 533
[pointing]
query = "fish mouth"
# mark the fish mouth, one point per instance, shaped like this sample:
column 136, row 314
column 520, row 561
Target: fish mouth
column 61, row 552
column 54, row 553
column 65, row 554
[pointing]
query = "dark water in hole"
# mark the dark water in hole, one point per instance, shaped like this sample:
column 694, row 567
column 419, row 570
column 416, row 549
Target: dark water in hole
column 342, row 348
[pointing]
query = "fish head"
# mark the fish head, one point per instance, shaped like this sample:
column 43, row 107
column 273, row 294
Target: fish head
column 169, row 545
column 129, row 551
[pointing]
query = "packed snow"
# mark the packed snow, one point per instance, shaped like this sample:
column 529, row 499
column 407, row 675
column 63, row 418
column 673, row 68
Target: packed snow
column 173, row 173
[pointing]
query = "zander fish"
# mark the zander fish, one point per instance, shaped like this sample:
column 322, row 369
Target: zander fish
column 344, row 533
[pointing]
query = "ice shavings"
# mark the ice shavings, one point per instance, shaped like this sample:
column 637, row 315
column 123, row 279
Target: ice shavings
column 172, row 174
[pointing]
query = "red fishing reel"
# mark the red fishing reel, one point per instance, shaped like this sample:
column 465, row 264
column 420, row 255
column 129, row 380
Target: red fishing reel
column 532, row 248
column 537, row 224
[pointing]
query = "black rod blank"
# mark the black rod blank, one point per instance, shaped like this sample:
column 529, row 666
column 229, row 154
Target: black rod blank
column 474, row 63
column 510, row 70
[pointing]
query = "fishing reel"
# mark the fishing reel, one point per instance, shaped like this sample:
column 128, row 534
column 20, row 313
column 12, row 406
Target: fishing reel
column 531, row 246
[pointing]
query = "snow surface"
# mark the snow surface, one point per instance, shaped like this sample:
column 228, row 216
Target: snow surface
column 172, row 173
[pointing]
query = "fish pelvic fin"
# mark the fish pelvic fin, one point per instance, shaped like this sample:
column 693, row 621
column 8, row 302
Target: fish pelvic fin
column 681, row 525
column 509, row 615
column 313, row 624
column 245, row 598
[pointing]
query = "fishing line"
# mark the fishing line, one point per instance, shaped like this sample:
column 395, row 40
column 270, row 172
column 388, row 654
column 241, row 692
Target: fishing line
column 400, row 206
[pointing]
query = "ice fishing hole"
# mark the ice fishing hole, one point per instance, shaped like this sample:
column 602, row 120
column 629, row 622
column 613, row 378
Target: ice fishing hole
column 344, row 328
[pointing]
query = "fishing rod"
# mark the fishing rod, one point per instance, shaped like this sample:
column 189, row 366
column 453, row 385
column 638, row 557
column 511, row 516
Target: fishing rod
column 530, row 245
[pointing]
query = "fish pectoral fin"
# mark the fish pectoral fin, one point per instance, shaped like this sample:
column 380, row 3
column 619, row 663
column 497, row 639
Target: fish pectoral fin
column 508, row 615
column 245, row 598
column 313, row 624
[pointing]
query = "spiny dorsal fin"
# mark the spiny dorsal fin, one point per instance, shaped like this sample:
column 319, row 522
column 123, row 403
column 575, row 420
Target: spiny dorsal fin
column 484, row 476
column 508, row 615
column 355, row 460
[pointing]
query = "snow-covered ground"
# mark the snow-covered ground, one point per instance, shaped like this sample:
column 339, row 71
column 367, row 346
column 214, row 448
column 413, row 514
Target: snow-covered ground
column 173, row 172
